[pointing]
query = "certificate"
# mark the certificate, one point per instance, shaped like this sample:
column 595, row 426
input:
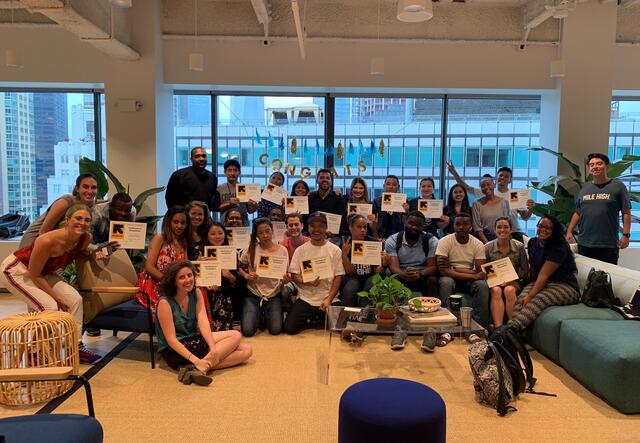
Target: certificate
column 248, row 191
column 517, row 198
column 392, row 202
column 272, row 266
column 279, row 231
column 274, row 194
column 296, row 204
column 129, row 235
column 239, row 238
column 430, row 208
column 499, row 271
column 207, row 273
column 226, row 256
column 333, row 222
column 366, row 252
column 359, row 208
column 316, row 267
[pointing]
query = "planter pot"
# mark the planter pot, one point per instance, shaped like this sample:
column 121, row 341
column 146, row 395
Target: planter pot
column 386, row 318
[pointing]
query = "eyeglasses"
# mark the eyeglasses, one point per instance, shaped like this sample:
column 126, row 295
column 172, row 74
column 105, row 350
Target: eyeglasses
column 547, row 227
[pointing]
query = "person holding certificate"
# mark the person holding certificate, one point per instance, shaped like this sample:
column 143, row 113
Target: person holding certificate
column 389, row 222
column 457, row 202
column 264, row 290
column 427, row 186
column 325, row 199
column 164, row 249
column 220, row 299
column 358, row 276
column 487, row 209
column 199, row 221
column 316, row 269
column 185, row 340
column 552, row 273
column 227, row 192
column 265, row 206
column 359, row 194
column 503, row 296
column 232, row 218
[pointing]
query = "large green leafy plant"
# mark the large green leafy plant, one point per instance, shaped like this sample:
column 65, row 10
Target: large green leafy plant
column 104, row 175
column 387, row 293
column 563, row 189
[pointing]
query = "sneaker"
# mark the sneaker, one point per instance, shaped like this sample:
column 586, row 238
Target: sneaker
column 399, row 340
column 93, row 332
column 429, row 341
column 198, row 377
column 86, row 356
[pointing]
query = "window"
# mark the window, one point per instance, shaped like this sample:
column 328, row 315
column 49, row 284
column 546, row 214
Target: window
column 624, row 139
column 260, row 131
column 40, row 133
column 192, row 126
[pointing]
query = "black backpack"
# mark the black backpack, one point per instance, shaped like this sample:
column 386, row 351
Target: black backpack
column 12, row 225
column 598, row 292
column 426, row 236
column 513, row 373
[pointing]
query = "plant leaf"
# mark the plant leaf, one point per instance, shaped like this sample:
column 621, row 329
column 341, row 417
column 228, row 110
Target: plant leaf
column 140, row 199
column 575, row 168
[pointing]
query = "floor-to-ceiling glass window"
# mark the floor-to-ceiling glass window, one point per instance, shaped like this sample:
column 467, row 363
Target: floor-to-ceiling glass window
column 192, row 126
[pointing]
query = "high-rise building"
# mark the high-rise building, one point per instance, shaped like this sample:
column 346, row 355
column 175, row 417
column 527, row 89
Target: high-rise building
column 17, row 154
column 247, row 110
column 192, row 110
column 50, row 126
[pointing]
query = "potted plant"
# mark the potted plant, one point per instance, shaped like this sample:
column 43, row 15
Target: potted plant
column 387, row 295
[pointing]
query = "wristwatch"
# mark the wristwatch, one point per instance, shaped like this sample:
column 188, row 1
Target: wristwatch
column 626, row 234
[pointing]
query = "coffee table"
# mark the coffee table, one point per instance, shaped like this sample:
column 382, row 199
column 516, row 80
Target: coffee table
column 363, row 320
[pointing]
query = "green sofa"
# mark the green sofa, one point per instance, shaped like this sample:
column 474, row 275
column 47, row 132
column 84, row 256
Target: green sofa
column 596, row 345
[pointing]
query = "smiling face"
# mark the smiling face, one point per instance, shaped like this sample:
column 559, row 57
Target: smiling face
column 458, row 194
column 87, row 190
column 294, row 226
column 300, row 190
column 486, row 186
column 276, row 179
column 544, row 229
column 276, row 214
column 317, row 231
column 178, row 224
column 324, row 181
column 597, row 168
column 215, row 236
column 234, row 219
column 232, row 174
column 357, row 191
column 391, row 185
column 503, row 229
column 426, row 189
column 79, row 221
column 199, row 159
column 120, row 210
column 184, row 280
column 196, row 215
column 504, row 179
column 358, row 228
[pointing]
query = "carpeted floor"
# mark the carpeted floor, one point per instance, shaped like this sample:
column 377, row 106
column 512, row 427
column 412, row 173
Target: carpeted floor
column 279, row 396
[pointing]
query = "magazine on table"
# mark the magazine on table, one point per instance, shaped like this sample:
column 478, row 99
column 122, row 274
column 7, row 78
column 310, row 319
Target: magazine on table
column 631, row 311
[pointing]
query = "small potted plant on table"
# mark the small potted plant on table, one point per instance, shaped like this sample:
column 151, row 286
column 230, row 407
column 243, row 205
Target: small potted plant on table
column 387, row 295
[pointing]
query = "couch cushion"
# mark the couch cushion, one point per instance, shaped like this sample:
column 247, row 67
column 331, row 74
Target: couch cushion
column 605, row 356
column 128, row 316
column 72, row 428
column 545, row 333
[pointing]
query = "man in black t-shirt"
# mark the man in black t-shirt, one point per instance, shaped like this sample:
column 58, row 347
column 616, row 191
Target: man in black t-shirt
column 193, row 183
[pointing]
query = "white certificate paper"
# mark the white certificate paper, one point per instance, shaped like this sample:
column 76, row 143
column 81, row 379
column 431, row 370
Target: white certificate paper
column 272, row 266
column 392, row 202
column 239, row 238
column 430, row 208
column 359, row 208
column 226, row 256
column 315, row 267
column 499, row 271
column 517, row 198
column 366, row 252
column 296, row 204
column 279, row 231
column 273, row 193
column 248, row 191
column 333, row 222
column 129, row 235
column 208, row 273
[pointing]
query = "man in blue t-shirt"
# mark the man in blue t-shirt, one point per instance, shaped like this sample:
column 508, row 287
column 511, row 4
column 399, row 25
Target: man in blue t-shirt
column 598, row 206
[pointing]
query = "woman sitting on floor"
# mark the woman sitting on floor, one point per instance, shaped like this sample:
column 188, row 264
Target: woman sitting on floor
column 164, row 249
column 185, row 339
column 31, row 272
column 503, row 296
column 552, row 273
column 264, row 294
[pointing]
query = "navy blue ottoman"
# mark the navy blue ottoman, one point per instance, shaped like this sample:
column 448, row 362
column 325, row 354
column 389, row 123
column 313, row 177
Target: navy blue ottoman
column 61, row 428
column 391, row 409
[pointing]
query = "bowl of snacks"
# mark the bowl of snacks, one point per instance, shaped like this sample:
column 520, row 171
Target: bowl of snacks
column 424, row 304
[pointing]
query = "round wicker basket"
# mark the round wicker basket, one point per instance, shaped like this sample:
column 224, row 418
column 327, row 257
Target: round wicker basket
column 37, row 339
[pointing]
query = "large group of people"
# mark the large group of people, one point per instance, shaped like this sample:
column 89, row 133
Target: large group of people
column 433, row 257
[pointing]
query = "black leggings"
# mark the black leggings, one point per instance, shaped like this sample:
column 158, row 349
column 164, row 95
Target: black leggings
column 196, row 345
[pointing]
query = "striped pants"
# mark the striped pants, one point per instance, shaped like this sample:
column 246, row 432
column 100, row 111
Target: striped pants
column 553, row 294
column 15, row 277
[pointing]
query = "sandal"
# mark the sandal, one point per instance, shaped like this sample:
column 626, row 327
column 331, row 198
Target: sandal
column 444, row 339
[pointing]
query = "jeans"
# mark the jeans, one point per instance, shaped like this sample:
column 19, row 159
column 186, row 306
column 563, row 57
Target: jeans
column 350, row 288
column 476, row 294
column 251, row 311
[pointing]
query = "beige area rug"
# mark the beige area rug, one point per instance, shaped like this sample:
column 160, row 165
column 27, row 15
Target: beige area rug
column 279, row 397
